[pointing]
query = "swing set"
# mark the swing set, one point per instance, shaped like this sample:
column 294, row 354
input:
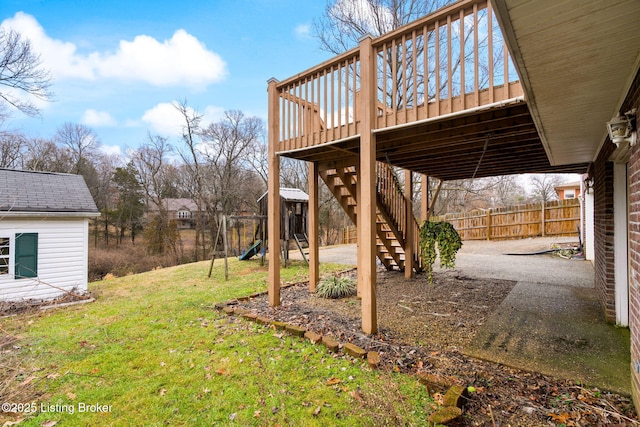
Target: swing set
column 294, row 205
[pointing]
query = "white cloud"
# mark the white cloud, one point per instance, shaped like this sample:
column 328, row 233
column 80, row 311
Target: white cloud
column 303, row 31
column 92, row 117
column 181, row 60
column 111, row 149
column 165, row 120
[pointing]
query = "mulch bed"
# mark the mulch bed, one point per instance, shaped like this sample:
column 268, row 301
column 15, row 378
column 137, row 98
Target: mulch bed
column 423, row 328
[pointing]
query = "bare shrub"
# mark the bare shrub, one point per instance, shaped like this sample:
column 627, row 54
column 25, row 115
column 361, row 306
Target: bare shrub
column 123, row 260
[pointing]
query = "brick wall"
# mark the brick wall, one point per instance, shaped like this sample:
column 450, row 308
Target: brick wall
column 633, row 100
column 603, row 231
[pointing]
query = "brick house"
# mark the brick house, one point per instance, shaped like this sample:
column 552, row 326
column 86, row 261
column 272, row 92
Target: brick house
column 570, row 190
column 183, row 211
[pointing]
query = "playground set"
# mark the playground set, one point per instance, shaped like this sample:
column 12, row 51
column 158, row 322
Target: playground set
column 294, row 205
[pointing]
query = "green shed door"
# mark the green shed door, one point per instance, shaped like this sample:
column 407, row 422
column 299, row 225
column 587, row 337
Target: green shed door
column 26, row 255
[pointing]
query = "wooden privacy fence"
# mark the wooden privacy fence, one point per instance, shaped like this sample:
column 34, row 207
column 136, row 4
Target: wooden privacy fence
column 556, row 218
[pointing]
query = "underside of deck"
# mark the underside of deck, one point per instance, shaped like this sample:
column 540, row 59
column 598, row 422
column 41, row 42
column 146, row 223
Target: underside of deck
column 490, row 142
column 439, row 97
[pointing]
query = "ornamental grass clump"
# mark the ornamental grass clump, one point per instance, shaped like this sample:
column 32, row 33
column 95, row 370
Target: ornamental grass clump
column 336, row 287
column 448, row 240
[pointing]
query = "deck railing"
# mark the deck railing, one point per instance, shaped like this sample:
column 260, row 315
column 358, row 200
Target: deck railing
column 447, row 62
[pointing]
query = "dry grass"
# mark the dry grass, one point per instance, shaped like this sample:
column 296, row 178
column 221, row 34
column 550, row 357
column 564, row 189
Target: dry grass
column 129, row 258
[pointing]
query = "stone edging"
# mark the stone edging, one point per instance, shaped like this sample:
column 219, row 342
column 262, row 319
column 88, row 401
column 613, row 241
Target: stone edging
column 454, row 400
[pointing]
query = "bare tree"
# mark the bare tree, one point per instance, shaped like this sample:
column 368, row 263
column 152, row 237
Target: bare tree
column 227, row 145
column 294, row 173
column 21, row 73
column 506, row 191
column 544, row 186
column 82, row 144
column 12, row 148
column 45, row 155
column 152, row 171
column 193, row 168
column 259, row 160
column 345, row 22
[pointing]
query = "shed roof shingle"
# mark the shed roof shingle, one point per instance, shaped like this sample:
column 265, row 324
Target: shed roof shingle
column 28, row 191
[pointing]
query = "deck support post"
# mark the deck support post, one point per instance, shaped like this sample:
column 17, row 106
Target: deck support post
column 273, row 198
column 424, row 203
column 367, row 194
column 358, row 240
column 313, row 228
column 409, row 233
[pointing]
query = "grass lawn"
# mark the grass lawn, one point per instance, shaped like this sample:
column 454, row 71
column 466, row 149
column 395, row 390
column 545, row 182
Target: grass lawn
column 151, row 351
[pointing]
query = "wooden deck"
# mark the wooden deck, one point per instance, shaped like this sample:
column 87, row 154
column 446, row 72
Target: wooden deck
column 440, row 97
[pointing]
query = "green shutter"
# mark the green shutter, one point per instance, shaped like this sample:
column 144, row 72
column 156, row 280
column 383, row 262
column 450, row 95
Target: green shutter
column 26, row 255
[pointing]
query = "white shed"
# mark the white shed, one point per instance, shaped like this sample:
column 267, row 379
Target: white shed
column 44, row 234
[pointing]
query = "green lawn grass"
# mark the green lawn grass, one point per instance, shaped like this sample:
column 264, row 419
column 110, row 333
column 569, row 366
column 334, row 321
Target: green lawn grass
column 152, row 351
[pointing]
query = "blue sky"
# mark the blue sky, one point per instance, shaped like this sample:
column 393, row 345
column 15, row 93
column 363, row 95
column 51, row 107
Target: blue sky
column 118, row 65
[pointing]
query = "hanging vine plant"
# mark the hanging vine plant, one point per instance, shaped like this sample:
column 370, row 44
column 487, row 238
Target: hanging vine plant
column 448, row 241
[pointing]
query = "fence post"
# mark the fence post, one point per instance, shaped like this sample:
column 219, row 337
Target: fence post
column 543, row 220
column 489, row 224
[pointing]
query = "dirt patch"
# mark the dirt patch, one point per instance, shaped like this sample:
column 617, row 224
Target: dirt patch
column 425, row 328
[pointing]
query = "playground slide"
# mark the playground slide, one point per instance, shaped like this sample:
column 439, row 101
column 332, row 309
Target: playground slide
column 253, row 250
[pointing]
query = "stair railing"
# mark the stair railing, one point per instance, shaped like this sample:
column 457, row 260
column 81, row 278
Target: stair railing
column 392, row 197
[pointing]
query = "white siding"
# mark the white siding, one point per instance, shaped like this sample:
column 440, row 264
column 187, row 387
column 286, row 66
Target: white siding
column 62, row 258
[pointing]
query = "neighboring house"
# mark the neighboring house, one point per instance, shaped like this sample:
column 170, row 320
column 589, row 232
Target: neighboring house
column 570, row 190
column 44, row 234
column 183, row 211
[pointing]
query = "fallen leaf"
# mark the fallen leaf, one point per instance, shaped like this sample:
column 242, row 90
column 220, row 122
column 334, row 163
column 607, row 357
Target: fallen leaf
column 256, row 414
column 560, row 418
column 232, row 416
column 48, row 423
column 317, row 411
column 333, row 381
column 163, row 391
column 357, row 395
column 221, row 371
column 28, row 380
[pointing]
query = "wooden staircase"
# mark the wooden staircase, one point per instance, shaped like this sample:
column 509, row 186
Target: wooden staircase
column 390, row 213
